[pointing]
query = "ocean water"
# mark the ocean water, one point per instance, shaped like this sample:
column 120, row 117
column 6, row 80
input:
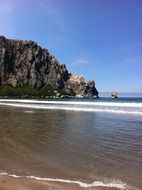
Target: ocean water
column 88, row 142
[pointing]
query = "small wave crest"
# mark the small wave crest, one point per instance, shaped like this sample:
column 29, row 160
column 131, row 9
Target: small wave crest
column 108, row 104
column 29, row 111
column 67, row 108
column 106, row 183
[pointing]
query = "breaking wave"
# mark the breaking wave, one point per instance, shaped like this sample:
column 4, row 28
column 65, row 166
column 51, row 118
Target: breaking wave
column 107, row 107
column 109, row 104
column 106, row 183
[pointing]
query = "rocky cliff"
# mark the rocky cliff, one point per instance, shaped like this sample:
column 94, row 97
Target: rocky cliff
column 24, row 63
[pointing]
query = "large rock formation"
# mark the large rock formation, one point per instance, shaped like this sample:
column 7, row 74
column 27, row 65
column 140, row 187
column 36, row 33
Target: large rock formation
column 24, row 63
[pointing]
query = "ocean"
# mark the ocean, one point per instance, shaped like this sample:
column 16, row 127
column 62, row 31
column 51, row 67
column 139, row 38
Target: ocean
column 91, row 143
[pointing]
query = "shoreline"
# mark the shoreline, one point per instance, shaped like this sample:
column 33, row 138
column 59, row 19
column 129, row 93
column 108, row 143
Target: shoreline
column 47, row 97
column 13, row 183
column 7, row 180
column 10, row 183
column 27, row 133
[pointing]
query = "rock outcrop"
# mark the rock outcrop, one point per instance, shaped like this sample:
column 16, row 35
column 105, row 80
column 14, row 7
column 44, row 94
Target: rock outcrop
column 24, row 63
column 114, row 94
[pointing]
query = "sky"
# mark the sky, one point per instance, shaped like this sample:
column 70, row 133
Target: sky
column 99, row 39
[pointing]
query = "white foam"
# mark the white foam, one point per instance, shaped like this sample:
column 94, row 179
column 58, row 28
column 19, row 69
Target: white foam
column 110, row 104
column 106, row 183
column 35, row 106
column 29, row 111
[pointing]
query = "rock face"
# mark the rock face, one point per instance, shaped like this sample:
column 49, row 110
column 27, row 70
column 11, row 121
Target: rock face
column 81, row 87
column 114, row 94
column 24, row 63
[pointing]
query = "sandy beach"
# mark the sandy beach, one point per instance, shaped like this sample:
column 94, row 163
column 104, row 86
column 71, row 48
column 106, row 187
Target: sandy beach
column 10, row 183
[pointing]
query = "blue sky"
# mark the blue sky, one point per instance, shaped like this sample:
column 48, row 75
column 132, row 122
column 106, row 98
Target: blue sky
column 99, row 39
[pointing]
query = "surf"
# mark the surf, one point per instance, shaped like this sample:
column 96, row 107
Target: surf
column 106, row 183
column 77, row 109
column 109, row 104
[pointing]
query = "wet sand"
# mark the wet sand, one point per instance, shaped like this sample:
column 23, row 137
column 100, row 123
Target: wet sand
column 81, row 146
column 10, row 183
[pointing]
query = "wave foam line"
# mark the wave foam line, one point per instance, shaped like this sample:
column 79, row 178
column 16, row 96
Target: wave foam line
column 72, row 109
column 107, row 183
column 117, row 104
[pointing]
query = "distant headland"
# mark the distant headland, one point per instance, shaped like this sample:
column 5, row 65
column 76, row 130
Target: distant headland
column 27, row 70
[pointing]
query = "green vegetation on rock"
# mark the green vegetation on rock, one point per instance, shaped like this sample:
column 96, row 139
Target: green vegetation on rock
column 27, row 91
